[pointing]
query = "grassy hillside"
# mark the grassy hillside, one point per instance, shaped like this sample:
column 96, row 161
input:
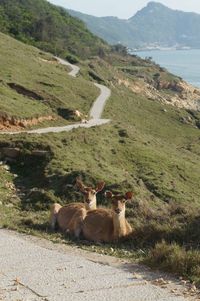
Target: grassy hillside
column 146, row 148
column 38, row 72
column 34, row 84
column 48, row 27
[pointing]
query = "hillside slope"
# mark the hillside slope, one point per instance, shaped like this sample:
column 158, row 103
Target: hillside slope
column 150, row 147
column 48, row 27
column 154, row 25
column 33, row 85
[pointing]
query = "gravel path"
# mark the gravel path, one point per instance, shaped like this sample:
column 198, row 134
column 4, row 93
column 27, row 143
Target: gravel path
column 95, row 113
column 33, row 269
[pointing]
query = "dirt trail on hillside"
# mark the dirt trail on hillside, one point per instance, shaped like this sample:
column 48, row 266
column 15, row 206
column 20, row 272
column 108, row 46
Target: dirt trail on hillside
column 95, row 112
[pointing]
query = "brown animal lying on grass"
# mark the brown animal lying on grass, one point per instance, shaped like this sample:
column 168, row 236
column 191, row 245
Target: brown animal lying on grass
column 69, row 218
column 104, row 225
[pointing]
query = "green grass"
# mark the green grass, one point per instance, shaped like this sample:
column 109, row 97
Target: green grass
column 28, row 68
column 5, row 193
column 12, row 102
column 146, row 148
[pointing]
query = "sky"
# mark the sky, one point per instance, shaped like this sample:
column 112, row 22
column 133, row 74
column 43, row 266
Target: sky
column 124, row 9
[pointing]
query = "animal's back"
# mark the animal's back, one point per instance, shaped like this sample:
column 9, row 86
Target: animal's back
column 70, row 215
column 98, row 225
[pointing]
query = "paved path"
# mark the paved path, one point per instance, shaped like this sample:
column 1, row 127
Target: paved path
column 75, row 69
column 67, row 128
column 95, row 112
column 98, row 105
column 33, row 269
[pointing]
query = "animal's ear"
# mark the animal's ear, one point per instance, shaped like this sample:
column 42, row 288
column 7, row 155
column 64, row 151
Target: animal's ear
column 100, row 186
column 129, row 195
column 108, row 194
column 80, row 185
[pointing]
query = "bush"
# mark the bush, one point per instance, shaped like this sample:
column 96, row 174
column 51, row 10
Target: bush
column 176, row 259
column 123, row 133
column 72, row 59
column 119, row 49
column 39, row 199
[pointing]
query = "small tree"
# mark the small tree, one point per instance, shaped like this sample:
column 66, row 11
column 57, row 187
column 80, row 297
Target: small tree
column 120, row 49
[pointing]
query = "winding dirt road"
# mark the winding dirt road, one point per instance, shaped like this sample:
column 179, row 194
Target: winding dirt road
column 95, row 112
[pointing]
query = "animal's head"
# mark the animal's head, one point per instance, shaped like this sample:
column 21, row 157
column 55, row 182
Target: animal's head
column 89, row 193
column 119, row 201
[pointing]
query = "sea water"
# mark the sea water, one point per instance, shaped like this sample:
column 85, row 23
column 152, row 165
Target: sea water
column 184, row 63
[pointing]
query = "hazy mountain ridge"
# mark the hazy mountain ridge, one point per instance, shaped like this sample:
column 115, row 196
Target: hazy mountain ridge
column 99, row 26
column 154, row 25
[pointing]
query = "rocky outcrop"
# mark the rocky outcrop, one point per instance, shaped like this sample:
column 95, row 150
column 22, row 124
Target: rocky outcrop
column 40, row 153
column 168, row 85
column 10, row 152
column 14, row 123
column 183, row 95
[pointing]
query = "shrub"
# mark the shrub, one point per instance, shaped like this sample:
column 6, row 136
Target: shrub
column 176, row 259
column 72, row 59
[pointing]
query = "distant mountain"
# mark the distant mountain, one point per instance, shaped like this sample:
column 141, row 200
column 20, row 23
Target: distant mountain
column 111, row 29
column 154, row 25
column 48, row 27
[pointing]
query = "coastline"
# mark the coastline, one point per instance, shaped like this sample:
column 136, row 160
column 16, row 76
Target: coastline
column 181, row 62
